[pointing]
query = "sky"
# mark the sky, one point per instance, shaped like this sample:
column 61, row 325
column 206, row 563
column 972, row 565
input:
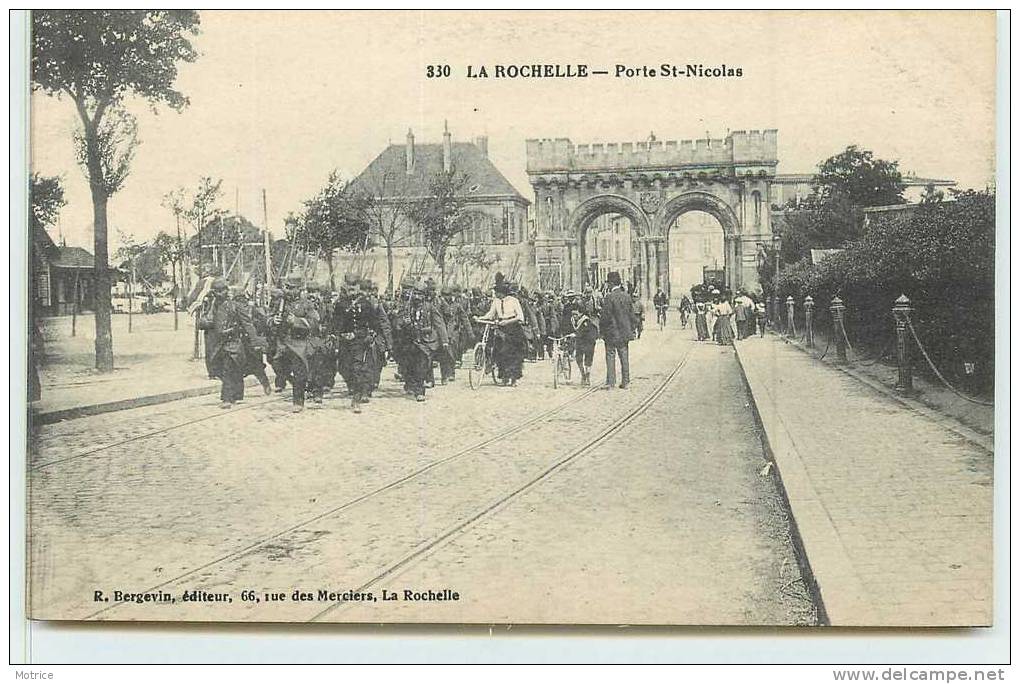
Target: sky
column 279, row 99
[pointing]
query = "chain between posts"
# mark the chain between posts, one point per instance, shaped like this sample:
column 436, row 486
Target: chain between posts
column 901, row 310
column 935, row 370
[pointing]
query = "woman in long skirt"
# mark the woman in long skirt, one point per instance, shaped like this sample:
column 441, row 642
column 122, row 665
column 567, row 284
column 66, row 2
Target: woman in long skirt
column 509, row 343
column 723, row 322
column 701, row 320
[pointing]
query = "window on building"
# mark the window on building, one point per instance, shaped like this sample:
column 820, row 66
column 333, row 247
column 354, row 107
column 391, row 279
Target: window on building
column 483, row 229
column 43, row 292
column 756, row 196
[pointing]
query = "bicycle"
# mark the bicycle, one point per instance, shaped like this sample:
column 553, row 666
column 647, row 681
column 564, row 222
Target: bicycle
column 561, row 359
column 660, row 316
column 482, row 363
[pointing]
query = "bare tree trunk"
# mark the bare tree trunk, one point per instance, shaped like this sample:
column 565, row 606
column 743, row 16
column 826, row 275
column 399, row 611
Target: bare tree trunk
column 389, row 266
column 101, row 278
column 173, row 304
column 329, row 263
column 131, row 297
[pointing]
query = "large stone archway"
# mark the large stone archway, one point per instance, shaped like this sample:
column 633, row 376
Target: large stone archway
column 583, row 216
column 652, row 183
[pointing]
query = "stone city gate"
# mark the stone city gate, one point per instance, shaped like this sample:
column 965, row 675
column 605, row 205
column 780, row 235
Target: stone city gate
column 652, row 183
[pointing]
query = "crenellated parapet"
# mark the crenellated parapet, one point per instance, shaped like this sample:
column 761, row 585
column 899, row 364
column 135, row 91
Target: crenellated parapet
column 739, row 153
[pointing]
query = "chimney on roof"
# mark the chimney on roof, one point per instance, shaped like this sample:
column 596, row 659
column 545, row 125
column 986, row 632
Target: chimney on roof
column 409, row 151
column 447, row 148
column 482, row 143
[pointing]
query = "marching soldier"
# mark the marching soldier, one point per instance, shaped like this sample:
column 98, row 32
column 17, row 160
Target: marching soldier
column 382, row 344
column 356, row 328
column 325, row 351
column 254, row 345
column 229, row 323
column 401, row 295
column 320, row 354
column 295, row 354
column 463, row 313
column 420, row 334
column 342, row 302
column 276, row 304
column 451, row 320
column 530, row 325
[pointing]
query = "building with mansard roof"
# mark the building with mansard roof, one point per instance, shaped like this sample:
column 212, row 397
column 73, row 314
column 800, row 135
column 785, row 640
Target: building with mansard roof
column 497, row 212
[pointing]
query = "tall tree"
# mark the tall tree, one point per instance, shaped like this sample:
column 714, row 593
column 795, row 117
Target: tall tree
column 201, row 212
column 387, row 209
column 440, row 215
column 98, row 58
column 46, row 195
column 335, row 219
column 174, row 201
column 170, row 251
column 831, row 216
column 857, row 178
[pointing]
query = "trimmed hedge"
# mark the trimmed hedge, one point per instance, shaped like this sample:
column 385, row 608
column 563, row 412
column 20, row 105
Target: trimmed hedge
column 942, row 256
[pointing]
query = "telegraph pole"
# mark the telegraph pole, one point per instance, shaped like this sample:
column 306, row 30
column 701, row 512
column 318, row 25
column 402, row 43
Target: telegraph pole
column 265, row 240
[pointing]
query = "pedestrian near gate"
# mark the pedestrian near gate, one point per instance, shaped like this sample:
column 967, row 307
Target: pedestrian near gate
column 618, row 325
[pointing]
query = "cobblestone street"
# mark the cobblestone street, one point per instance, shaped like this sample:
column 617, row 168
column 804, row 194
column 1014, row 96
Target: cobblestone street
column 533, row 504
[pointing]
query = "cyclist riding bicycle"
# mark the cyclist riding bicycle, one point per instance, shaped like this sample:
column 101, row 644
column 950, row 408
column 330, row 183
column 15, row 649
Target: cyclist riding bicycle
column 661, row 302
column 686, row 307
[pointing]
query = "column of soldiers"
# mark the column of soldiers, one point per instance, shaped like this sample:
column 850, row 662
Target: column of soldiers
column 309, row 334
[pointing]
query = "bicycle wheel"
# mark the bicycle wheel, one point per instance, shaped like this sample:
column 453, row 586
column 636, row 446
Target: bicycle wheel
column 565, row 366
column 556, row 369
column 477, row 370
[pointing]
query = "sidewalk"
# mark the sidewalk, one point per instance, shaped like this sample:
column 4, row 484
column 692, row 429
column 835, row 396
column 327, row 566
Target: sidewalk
column 928, row 390
column 152, row 364
column 892, row 505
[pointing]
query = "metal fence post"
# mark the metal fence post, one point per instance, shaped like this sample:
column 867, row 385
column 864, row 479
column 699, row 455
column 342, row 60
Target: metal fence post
column 809, row 333
column 837, row 308
column 901, row 312
column 791, row 330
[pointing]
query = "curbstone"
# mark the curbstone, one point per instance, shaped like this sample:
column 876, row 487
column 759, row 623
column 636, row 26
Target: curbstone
column 839, row 593
column 58, row 415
